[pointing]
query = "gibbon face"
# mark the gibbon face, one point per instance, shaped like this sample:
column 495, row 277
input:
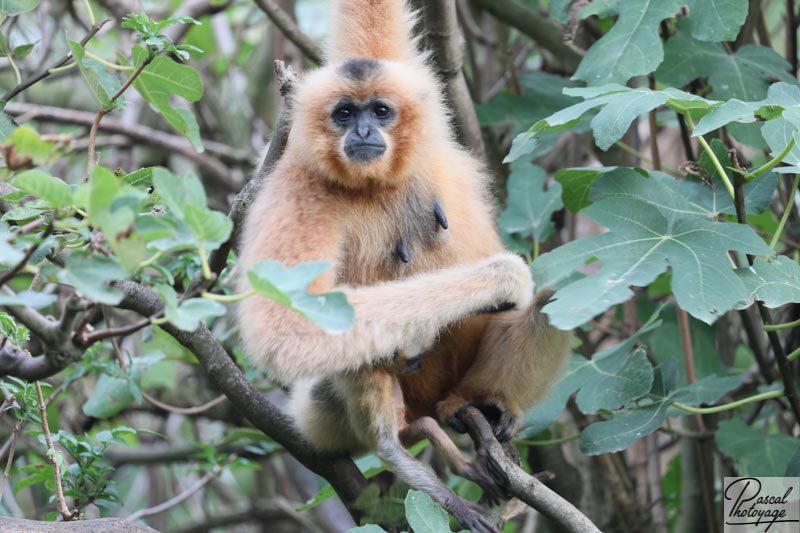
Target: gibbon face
column 365, row 122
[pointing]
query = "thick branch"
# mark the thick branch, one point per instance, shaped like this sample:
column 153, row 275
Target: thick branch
column 19, row 363
column 340, row 471
column 145, row 135
column 106, row 525
column 545, row 33
column 443, row 37
column 519, row 483
column 290, row 29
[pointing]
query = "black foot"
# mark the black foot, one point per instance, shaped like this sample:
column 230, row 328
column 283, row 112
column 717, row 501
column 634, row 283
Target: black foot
column 503, row 423
column 471, row 519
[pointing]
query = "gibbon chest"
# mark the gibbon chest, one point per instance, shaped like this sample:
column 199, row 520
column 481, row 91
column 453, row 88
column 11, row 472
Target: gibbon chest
column 393, row 234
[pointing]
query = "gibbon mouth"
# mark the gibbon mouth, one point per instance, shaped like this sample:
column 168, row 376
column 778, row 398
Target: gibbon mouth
column 364, row 153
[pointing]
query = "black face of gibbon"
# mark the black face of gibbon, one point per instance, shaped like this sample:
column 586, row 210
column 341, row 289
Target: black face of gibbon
column 362, row 122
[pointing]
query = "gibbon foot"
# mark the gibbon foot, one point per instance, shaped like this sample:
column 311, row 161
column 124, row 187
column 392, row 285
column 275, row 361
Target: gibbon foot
column 470, row 516
column 502, row 421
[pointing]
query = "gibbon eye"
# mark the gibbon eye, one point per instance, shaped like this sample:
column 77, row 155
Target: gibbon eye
column 343, row 114
column 382, row 110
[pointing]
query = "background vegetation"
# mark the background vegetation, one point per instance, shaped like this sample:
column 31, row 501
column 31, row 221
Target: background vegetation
column 645, row 155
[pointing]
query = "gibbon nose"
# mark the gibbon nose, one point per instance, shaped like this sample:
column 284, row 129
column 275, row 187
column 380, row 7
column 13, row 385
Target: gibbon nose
column 364, row 131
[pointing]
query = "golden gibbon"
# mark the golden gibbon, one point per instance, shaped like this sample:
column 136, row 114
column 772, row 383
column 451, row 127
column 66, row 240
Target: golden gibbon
column 373, row 181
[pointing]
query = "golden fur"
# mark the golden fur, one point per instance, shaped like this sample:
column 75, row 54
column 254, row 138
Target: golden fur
column 320, row 205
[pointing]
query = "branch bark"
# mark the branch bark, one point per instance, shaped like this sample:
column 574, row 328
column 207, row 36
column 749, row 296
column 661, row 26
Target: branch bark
column 340, row 471
column 290, row 29
column 443, row 37
column 519, row 483
column 546, row 34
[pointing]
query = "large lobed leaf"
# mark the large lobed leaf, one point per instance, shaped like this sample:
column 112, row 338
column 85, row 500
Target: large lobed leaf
column 530, row 208
column 632, row 47
column 650, row 228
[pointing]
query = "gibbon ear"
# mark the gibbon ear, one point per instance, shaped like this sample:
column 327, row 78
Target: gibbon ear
column 371, row 29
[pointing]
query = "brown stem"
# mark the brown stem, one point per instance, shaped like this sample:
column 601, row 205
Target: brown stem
column 92, row 159
column 791, row 35
column 6, row 276
column 66, row 514
column 519, row 483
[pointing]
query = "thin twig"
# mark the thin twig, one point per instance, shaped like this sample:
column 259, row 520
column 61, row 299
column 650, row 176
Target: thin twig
column 66, row 514
column 27, row 84
column 6, row 276
column 290, row 29
column 189, row 491
column 92, row 159
column 185, row 410
column 10, row 461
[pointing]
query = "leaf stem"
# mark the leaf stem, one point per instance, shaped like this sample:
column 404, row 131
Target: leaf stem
column 108, row 64
column 147, row 262
column 227, row 298
column 548, row 442
column 780, row 327
column 794, row 355
column 65, row 68
column 714, row 159
column 772, row 163
column 787, row 211
column 728, row 406
column 17, row 75
column 201, row 249
column 89, row 10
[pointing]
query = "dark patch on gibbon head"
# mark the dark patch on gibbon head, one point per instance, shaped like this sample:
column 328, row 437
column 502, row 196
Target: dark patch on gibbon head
column 359, row 69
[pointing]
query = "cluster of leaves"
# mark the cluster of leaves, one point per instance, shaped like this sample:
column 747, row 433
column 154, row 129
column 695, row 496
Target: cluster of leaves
column 678, row 237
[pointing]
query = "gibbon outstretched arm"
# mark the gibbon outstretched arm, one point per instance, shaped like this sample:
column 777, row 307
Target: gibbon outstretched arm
column 396, row 317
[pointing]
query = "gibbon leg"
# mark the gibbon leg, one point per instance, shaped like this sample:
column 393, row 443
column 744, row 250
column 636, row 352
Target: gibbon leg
column 427, row 428
column 375, row 404
column 518, row 360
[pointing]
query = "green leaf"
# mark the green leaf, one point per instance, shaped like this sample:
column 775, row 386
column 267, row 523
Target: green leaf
column 646, row 235
column 15, row 7
column 530, row 208
column 774, row 281
column 793, row 468
column 542, row 95
column 624, row 376
column 110, row 396
column 27, row 143
column 103, row 84
column 576, row 183
column 190, row 313
column 42, row 185
column 716, row 20
column 758, row 455
column 632, row 47
column 7, row 125
column 177, row 192
column 625, row 427
column 706, row 391
column 9, row 255
column 91, row 274
column 746, row 74
column 162, row 79
column 28, row 299
column 424, row 515
column 22, row 51
column 289, row 287
column 212, row 228
column 113, row 210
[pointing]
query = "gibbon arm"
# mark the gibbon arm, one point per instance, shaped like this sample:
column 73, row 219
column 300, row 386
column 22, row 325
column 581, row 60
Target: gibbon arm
column 396, row 317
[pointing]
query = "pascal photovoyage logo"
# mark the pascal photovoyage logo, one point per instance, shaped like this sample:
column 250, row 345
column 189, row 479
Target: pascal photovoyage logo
column 758, row 504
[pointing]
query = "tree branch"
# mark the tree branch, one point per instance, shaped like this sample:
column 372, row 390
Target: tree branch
column 443, row 37
column 545, row 33
column 519, row 483
column 290, row 29
column 146, row 135
column 340, row 471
